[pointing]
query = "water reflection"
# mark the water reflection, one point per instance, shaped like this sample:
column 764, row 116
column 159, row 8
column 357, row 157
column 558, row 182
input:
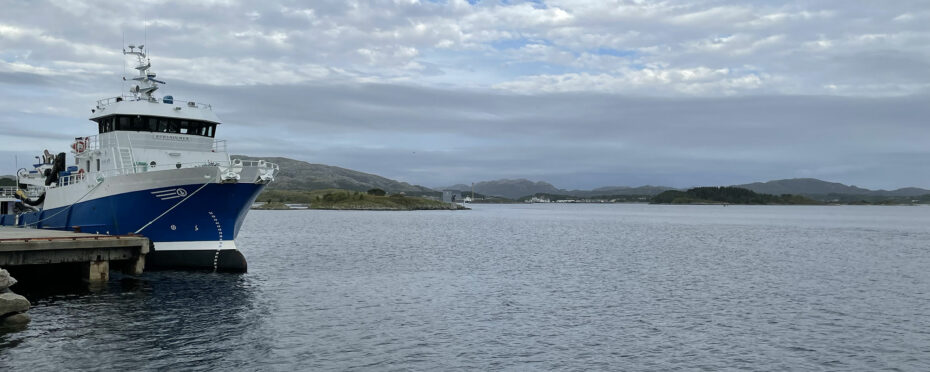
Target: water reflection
column 162, row 320
column 539, row 287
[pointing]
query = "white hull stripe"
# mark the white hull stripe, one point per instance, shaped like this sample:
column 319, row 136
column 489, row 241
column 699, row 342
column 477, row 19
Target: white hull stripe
column 170, row 193
column 203, row 245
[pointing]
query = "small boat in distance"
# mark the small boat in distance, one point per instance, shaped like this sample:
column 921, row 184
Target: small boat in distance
column 154, row 168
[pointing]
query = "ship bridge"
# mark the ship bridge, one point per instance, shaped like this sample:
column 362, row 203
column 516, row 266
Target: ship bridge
column 166, row 116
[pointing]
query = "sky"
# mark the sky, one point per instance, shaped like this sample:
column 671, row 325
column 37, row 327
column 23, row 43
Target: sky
column 578, row 93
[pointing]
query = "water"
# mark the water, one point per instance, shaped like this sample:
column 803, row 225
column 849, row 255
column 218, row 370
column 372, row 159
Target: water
column 525, row 287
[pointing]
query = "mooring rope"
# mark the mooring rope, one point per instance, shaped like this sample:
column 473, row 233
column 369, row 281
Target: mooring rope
column 68, row 207
column 172, row 208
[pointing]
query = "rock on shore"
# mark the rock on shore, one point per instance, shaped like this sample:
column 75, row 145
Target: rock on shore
column 12, row 306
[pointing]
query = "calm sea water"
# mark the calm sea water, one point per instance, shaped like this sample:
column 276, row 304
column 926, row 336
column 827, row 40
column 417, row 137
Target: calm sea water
column 525, row 287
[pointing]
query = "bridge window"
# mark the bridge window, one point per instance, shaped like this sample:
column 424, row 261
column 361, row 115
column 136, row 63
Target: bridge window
column 155, row 124
column 123, row 123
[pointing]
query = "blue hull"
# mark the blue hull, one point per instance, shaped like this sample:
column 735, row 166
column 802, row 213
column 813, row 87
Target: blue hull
column 212, row 215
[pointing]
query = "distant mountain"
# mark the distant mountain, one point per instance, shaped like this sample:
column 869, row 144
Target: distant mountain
column 7, row 180
column 623, row 190
column 906, row 191
column 456, row 187
column 813, row 186
column 511, row 189
column 301, row 175
column 518, row 188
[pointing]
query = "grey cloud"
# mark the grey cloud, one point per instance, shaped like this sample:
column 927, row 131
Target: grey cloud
column 23, row 78
column 461, row 136
column 434, row 118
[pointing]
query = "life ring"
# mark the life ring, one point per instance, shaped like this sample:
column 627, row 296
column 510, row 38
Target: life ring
column 80, row 145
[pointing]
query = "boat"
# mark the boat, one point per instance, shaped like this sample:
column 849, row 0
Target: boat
column 154, row 168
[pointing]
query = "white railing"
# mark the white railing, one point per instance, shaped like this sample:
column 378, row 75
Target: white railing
column 31, row 191
column 93, row 143
column 219, row 146
column 8, row 191
column 112, row 100
column 196, row 104
column 259, row 163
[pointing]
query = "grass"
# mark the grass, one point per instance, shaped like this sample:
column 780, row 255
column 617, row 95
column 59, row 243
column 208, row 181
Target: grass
column 346, row 200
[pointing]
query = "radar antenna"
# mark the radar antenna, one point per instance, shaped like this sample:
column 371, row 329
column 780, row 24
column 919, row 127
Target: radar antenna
column 147, row 82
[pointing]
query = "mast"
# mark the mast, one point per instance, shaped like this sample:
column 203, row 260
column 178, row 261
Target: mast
column 147, row 82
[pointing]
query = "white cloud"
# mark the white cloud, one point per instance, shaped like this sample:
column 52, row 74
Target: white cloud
column 427, row 42
column 493, row 62
column 650, row 81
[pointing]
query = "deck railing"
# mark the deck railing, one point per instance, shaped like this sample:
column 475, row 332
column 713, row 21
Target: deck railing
column 219, row 146
column 93, row 143
column 7, row 191
column 112, row 100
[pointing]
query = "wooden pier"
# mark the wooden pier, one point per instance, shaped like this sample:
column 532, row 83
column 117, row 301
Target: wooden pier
column 23, row 249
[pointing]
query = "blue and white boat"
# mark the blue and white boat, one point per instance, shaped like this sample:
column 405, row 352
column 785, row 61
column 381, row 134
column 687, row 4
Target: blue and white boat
column 154, row 169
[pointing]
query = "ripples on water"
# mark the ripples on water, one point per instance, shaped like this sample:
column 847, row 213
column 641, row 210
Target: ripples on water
column 520, row 287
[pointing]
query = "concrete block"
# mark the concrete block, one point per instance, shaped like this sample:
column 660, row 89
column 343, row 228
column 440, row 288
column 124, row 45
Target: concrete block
column 134, row 266
column 98, row 271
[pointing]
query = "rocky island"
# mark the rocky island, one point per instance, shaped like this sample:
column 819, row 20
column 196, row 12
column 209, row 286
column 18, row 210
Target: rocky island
column 728, row 195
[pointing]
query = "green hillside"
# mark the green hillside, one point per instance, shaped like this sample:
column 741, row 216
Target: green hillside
column 301, row 175
column 347, row 200
column 728, row 195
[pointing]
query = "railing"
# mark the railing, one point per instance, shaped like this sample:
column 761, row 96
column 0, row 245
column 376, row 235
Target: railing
column 219, row 146
column 10, row 192
column 93, row 143
column 7, row 191
column 112, row 100
column 196, row 104
column 258, row 163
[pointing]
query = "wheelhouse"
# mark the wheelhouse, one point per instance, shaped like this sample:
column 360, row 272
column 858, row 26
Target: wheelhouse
column 155, row 124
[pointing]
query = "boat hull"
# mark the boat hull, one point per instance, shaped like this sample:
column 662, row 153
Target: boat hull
column 228, row 260
column 191, row 226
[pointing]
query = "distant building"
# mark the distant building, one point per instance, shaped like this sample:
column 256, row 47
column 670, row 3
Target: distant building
column 539, row 199
column 451, row 196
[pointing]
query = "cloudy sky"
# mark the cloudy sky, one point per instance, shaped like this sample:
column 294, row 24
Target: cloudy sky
column 579, row 93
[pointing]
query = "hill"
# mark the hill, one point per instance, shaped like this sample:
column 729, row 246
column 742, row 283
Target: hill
column 7, row 180
column 523, row 188
column 511, row 189
column 301, row 175
column 727, row 195
column 348, row 200
column 815, row 187
column 623, row 190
